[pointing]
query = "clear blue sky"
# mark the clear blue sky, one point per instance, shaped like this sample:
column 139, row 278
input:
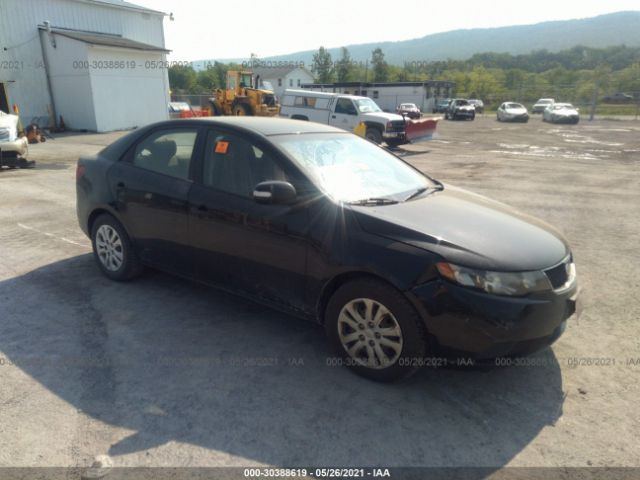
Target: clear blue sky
column 208, row 28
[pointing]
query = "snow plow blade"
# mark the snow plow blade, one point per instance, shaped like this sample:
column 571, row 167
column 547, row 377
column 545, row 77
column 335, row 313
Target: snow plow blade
column 420, row 130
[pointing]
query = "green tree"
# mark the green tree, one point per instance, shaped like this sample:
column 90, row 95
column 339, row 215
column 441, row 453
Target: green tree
column 379, row 66
column 344, row 66
column 322, row 66
column 182, row 78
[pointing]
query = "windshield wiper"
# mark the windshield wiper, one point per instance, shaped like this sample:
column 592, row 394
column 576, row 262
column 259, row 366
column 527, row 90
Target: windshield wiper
column 421, row 190
column 374, row 201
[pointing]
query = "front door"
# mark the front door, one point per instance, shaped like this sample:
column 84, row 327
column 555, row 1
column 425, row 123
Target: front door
column 345, row 115
column 241, row 245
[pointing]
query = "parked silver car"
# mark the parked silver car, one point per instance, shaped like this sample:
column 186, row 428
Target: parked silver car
column 512, row 112
column 561, row 113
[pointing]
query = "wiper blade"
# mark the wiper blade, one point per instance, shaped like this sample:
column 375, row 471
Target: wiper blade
column 439, row 186
column 374, row 201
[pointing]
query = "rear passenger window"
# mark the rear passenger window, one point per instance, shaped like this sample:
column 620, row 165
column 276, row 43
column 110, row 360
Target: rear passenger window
column 234, row 165
column 167, row 151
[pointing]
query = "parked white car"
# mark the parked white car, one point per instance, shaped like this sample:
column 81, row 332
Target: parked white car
column 512, row 112
column 561, row 113
column 346, row 112
column 13, row 149
column 541, row 104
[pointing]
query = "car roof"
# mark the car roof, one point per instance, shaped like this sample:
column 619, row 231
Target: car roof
column 263, row 125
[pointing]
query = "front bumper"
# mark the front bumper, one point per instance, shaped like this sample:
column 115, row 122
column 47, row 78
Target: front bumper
column 464, row 113
column 398, row 135
column 487, row 326
column 13, row 154
column 565, row 119
column 516, row 118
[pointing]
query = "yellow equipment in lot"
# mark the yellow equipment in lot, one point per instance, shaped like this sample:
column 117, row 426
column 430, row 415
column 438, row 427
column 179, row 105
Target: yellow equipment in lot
column 242, row 98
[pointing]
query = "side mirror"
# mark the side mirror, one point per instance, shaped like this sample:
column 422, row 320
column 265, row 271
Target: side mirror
column 274, row 192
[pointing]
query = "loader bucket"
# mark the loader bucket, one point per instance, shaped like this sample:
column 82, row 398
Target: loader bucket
column 420, row 130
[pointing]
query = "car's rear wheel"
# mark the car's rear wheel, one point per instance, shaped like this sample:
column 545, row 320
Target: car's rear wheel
column 375, row 330
column 112, row 249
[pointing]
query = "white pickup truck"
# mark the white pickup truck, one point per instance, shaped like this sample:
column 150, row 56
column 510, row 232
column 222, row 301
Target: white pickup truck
column 13, row 148
column 346, row 112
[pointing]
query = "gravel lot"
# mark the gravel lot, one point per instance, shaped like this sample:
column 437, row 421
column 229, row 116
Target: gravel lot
column 163, row 372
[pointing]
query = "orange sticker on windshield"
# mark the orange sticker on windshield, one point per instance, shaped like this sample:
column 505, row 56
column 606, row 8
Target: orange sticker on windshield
column 222, row 147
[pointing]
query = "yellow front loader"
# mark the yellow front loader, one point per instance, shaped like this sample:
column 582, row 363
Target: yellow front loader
column 242, row 98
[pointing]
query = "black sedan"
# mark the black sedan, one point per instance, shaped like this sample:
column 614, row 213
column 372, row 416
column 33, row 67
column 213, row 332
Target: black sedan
column 325, row 225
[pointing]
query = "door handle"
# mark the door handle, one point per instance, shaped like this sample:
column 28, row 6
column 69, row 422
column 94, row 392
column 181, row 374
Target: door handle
column 333, row 116
column 202, row 208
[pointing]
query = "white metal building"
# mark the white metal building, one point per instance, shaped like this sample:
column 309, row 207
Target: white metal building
column 98, row 64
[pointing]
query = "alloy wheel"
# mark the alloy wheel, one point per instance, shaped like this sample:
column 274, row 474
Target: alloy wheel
column 369, row 333
column 109, row 248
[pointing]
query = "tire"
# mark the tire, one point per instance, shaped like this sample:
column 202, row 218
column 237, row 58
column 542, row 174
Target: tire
column 473, row 117
column 216, row 111
column 401, row 353
column 108, row 238
column 241, row 110
column 374, row 134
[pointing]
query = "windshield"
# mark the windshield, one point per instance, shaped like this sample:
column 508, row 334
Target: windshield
column 514, row 105
column 366, row 105
column 408, row 105
column 350, row 169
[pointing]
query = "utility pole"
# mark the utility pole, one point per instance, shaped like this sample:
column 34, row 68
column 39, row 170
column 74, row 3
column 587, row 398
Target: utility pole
column 593, row 102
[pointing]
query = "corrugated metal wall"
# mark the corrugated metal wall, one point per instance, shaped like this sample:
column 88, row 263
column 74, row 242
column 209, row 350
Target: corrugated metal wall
column 21, row 61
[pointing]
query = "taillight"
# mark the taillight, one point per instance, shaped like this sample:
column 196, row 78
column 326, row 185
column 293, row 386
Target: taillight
column 79, row 172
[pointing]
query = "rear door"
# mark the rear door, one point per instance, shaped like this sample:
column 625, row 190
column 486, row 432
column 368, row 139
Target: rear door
column 151, row 186
column 241, row 245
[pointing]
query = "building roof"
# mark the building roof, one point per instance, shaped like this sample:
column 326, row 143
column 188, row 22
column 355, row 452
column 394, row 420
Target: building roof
column 122, row 4
column 277, row 72
column 105, row 39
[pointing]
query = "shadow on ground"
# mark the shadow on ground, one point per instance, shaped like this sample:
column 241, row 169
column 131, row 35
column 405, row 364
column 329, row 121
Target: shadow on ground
column 176, row 361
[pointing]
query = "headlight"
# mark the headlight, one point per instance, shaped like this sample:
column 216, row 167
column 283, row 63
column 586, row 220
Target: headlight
column 498, row 283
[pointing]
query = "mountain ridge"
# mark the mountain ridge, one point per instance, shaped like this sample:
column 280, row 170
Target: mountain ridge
column 619, row 28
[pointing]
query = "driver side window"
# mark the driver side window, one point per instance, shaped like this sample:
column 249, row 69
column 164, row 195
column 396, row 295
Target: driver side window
column 346, row 106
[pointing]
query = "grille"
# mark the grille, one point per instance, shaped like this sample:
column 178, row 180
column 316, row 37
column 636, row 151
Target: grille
column 558, row 275
column 396, row 126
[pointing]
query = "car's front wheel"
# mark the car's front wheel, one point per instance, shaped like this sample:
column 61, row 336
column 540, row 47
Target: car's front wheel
column 375, row 330
column 112, row 249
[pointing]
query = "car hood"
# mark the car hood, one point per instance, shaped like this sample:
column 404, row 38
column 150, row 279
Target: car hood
column 565, row 111
column 516, row 111
column 387, row 117
column 468, row 229
column 465, row 107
